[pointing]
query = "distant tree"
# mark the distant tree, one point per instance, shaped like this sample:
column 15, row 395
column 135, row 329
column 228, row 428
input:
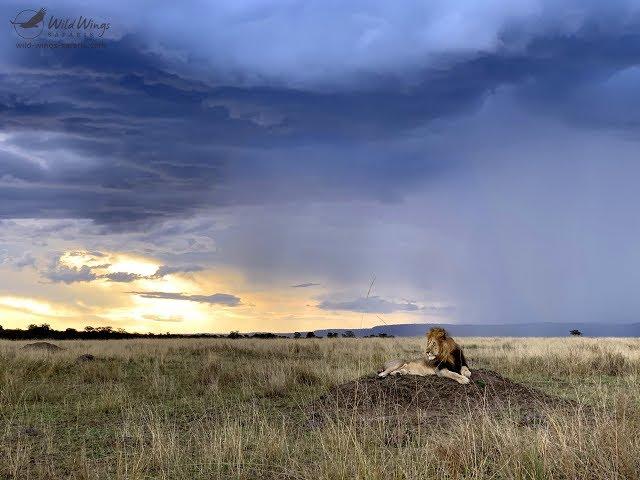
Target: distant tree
column 89, row 328
column 297, row 335
column 70, row 331
column 349, row 334
column 264, row 335
column 332, row 334
column 575, row 332
column 40, row 331
column 311, row 335
column 234, row 334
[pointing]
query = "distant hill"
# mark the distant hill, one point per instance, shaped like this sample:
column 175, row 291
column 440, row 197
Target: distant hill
column 504, row 330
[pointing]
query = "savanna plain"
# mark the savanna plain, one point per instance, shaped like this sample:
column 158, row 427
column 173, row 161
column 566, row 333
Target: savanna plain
column 222, row 408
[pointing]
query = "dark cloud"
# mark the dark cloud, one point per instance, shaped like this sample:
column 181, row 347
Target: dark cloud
column 305, row 285
column 215, row 299
column 121, row 277
column 164, row 270
column 114, row 136
column 58, row 272
column 372, row 304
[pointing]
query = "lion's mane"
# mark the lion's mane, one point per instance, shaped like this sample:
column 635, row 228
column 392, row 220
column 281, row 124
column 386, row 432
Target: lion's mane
column 447, row 352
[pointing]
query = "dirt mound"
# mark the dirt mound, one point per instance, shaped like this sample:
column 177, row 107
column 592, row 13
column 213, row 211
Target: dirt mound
column 436, row 397
column 42, row 346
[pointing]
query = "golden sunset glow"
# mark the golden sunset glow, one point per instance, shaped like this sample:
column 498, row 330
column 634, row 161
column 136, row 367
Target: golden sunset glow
column 29, row 305
column 135, row 265
column 126, row 291
column 25, row 310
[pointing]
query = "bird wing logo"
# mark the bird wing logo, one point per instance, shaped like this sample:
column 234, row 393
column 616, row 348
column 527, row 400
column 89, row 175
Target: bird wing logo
column 29, row 23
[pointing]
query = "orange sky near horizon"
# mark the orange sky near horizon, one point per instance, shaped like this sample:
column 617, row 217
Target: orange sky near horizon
column 192, row 306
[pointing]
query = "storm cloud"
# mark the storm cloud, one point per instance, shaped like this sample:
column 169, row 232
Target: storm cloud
column 126, row 135
column 214, row 299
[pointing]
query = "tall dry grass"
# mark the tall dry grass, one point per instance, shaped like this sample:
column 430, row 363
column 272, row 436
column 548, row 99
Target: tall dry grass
column 189, row 409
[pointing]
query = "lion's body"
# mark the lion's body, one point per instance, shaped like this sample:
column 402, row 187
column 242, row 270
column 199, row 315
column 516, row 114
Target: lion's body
column 418, row 366
column 444, row 358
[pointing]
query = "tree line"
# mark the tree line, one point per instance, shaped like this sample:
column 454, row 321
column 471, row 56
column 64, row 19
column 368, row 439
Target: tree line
column 44, row 330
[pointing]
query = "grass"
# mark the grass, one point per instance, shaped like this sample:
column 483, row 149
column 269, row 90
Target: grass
column 189, row 409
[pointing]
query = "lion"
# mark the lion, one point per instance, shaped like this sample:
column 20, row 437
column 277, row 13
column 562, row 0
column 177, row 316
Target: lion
column 443, row 357
column 447, row 351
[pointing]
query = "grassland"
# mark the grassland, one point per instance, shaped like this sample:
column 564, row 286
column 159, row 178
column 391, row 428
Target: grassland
column 229, row 409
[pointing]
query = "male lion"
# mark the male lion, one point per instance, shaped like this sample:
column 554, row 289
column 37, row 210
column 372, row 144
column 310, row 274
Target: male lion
column 444, row 358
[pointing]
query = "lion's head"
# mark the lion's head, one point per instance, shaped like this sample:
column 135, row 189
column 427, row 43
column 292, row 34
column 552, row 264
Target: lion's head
column 439, row 343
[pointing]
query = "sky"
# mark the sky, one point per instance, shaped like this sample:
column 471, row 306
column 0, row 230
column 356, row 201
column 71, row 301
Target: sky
column 296, row 165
